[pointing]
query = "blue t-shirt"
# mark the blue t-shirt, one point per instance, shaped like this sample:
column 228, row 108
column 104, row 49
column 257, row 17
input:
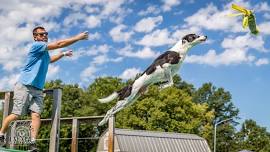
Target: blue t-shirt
column 36, row 68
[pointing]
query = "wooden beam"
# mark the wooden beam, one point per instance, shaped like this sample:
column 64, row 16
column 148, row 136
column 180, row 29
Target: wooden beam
column 75, row 132
column 55, row 131
column 8, row 104
column 111, row 134
column 7, row 110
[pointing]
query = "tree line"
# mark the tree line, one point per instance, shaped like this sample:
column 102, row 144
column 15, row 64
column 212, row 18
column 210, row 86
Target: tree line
column 181, row 108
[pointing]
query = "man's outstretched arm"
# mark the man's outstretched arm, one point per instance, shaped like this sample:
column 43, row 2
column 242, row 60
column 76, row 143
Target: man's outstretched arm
column 66, row 42
column 55, row 58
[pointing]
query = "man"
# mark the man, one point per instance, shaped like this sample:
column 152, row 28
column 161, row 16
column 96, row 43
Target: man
column 28, row 93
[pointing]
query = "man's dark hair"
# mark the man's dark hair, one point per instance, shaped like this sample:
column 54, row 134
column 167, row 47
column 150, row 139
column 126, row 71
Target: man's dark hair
column 36, row 28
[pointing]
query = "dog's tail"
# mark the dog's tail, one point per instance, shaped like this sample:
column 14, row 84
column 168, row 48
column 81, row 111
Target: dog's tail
column 109, row 98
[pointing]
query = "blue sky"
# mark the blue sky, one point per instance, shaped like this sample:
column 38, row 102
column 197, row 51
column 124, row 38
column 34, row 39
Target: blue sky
column 126, row 35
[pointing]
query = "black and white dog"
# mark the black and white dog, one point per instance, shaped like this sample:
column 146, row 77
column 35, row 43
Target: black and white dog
column 161, row 71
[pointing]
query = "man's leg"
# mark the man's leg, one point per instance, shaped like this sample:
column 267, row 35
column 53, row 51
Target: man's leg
column 34, row 131
column 6, row 122
column 35, row 125
column 5, row 125
column 19, row 106
column 36, row 107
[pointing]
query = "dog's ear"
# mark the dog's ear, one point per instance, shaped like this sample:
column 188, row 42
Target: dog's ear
column 184, row 41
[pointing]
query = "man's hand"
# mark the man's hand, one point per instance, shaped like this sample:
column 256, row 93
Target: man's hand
column 83, row 35
column 68, row 53
column 60, row 55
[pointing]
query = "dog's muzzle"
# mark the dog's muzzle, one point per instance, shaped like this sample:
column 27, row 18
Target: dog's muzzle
column 203, row 39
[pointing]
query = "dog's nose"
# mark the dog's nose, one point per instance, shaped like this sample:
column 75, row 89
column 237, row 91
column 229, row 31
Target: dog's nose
column 205, row 37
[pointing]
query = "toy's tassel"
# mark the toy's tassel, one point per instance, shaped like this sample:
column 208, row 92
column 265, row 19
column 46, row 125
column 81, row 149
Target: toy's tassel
column 252, row 24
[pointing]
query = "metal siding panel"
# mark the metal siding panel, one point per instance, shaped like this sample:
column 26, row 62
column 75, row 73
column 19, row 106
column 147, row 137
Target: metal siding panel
column 145, row 144
column 163, row 145
column 173, row 146
column 185, row 146
column 152, row 144
column 142, row 141
column 133, row 143
column 177, row 146
column 156, row 145
column 121, row 143
column 168, row 147
column 140, row 145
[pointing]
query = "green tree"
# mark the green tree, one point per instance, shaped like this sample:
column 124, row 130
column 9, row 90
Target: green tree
column 226, row 140
column 219, row 101
column 253, row 137
column 170, row 110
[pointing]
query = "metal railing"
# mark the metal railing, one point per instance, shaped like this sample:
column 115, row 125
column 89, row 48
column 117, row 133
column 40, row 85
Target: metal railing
column 54, row 120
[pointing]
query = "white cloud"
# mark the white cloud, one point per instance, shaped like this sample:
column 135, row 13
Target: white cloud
column 246, row 41
column 52, row 71
column 148, row 24
column 8, row 82
column 156, row 38
column 88, row 73
column 266, row 16
column 94, row 36
column 92, row 21
column 228, row 57
column 118, row 59
column 100, row 59
column 130, row 73
column 111, row 7
column 262, row 7
column 118, row 35
column 212, row 18
column 145, row 53
column 150, row 10
column 264, row 28
column 236, row 52
column 168, row 4
column 262, row 61
column 74, row 19
column 92, row 9
column 92, row 51
column 9, row 61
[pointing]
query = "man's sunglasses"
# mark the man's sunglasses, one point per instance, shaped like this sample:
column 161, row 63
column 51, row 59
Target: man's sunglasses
column 42, row 34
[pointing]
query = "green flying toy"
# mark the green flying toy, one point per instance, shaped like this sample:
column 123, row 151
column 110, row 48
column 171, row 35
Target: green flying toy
column 248, row 18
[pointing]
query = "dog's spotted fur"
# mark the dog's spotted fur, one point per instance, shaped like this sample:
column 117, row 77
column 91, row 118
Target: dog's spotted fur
column 161, row 71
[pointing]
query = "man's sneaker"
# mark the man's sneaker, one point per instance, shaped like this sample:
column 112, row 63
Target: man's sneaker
column 33, row 147
column 2, row 141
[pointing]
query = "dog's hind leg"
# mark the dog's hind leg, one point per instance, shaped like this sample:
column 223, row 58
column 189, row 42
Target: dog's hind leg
column 106, row 117
column 119, row 106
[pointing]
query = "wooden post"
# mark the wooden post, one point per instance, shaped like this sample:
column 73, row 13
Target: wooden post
column 75, row 131
column 7, row 110
column 111, row 134
column 8, row 104
column 55, row 131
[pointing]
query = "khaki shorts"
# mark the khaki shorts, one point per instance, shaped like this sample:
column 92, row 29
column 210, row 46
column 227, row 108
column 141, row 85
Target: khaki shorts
column 27, row 98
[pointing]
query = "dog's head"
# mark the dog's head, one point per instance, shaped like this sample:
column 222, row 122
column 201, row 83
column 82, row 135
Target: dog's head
column 193, row 39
